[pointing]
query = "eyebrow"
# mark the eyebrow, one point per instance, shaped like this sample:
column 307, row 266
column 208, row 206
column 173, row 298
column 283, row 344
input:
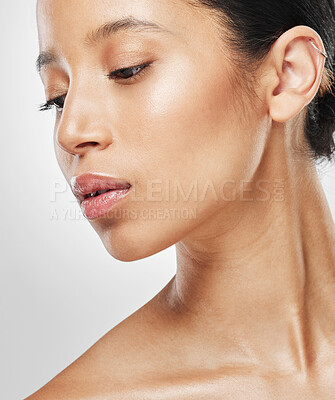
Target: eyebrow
column 127, row 23
column 104, row 32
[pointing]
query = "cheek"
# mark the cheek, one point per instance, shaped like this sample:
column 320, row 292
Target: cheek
column 185, row 126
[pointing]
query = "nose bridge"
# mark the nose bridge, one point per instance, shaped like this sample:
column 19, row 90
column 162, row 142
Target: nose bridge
column 83, row 122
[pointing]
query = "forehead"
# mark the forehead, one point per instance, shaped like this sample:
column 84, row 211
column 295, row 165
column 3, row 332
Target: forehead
column 73, row 20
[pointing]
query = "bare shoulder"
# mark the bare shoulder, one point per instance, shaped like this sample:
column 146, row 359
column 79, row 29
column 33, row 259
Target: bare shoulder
column 129, row 356
column 148, row 356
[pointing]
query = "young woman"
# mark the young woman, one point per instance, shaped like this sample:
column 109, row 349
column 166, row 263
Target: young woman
column 198, row 123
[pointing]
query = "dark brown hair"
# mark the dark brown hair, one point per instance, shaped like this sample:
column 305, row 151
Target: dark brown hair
column 256, row 24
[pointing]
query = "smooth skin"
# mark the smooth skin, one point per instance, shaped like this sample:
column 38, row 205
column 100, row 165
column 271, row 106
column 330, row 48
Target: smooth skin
column 250, row 313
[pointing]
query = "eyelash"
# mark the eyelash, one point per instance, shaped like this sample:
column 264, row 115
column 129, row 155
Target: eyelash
column 142, row 67
column 52, row 103
column 48, row 105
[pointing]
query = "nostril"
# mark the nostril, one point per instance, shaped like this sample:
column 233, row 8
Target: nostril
column 87, row 144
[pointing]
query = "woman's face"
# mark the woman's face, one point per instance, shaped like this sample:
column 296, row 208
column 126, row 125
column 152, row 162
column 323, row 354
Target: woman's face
column 178, row 130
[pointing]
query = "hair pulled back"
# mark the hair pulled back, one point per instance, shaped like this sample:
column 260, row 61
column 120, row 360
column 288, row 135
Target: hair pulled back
column 256, row 25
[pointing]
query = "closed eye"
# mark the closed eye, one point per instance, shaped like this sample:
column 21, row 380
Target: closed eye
column 128, row 74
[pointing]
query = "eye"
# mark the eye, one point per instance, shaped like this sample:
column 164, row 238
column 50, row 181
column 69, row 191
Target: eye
column 128, row 74
column 57, row 102
column 125, row 74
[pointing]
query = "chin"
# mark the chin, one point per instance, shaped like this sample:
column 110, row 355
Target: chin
column 128, row 239
column 126, row 244
column 125, row 252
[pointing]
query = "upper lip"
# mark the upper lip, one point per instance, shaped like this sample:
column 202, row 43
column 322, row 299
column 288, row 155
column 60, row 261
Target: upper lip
column 83, row 185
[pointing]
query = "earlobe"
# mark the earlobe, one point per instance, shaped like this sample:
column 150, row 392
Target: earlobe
column 297, row 71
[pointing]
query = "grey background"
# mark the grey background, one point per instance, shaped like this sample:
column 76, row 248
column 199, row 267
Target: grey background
column 60, row 291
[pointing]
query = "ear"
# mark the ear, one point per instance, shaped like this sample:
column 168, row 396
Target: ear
column 296, row 69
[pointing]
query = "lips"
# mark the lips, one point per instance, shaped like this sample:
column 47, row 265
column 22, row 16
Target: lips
column 97, row 194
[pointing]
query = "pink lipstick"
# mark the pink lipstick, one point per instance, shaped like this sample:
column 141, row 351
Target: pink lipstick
column 97, row 194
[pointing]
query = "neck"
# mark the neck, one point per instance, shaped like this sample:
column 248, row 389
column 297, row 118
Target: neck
column 261, row 274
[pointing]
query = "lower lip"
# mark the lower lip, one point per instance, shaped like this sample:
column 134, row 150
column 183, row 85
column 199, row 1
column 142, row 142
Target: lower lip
column 96, row 207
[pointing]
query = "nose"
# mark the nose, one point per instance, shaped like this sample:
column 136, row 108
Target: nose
column 83, row 125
